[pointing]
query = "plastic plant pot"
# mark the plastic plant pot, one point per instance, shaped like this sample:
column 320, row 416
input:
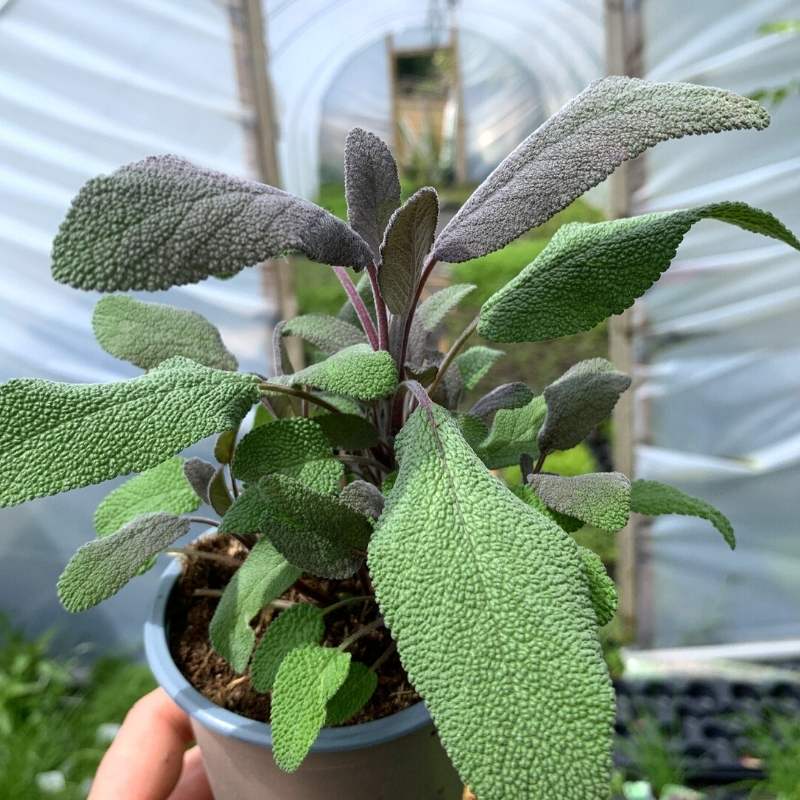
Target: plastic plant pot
column 396, row 757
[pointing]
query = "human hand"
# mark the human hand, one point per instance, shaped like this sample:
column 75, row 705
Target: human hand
column 148, row 759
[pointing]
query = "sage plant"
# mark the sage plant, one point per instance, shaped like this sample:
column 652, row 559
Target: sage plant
column 367, row 462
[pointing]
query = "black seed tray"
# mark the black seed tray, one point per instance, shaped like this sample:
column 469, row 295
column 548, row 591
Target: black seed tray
column 705, row 722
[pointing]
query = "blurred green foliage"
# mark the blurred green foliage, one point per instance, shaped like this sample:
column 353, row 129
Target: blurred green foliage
column 54, row 726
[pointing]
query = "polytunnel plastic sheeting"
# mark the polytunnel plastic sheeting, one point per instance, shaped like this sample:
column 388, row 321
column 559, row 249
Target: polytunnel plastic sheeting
column 520, row 62
column 717, row 346
column 86, row 87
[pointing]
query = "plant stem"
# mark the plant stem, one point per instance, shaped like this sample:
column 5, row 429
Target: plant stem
column 423, row 279
column 364, row 630
column 312, row 398
column 191, row 552
column 452, row 353
column 204, row 521
column 361, row 598
column 358, row 305
column 384, row 657
column 307, row 590
column 380, row 308
column 365, row 460
column 539, row 463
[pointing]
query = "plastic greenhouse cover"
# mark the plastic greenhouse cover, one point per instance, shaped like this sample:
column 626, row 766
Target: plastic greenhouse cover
column 84, row 91
column 717, row 346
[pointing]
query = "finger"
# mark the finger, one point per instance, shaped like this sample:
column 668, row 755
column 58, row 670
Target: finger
column 145, row 759
column 193, row 783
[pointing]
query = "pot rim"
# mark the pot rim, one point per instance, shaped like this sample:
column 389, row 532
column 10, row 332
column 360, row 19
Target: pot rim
column 227, row 723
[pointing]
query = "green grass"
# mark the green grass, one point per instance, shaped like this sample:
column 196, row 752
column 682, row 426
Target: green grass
column 51, row 722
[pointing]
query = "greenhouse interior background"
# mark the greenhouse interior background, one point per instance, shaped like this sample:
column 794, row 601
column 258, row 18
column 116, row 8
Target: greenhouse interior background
column 453, row 86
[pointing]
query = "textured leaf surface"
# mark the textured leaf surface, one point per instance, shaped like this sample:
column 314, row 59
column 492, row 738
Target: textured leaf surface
column 408, row 239
column 371, row 185
column 60, row 436
column 162, row 488
column 611, row 121
column 219, row 495
column 357, row 371
column 601, row 499
column 601, row 588
column 329, row 334
column 316, row 532
column 436, row 307
column 475, row 362
column 264, row 575
column 296, row 447
column 164, row 222
column 513, row 433
column 527, row 495
column 654, row 498
column 199, row 474
column 248, row 512
column 298, row 625
column 507, row 395
column 225, row 446
column 472, row 429
column 353, row 695
column 148, row 333
column 101, row 567
column 589, row 271
column 348, row 431
column 488, row 603
column 364, row 498
column 307, row 679
column 581, row 398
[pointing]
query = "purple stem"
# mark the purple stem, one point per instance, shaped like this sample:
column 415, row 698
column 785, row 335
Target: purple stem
column 358, row 304
column 380, row 308
column 423, row 279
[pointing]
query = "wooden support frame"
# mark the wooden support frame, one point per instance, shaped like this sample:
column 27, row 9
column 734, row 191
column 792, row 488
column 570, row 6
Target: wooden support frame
column 624, row 53
column 251, row 57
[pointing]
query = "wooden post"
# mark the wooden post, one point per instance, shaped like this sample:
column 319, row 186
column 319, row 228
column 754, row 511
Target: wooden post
column 251, row 57
column 624, row 57
column 461, row 137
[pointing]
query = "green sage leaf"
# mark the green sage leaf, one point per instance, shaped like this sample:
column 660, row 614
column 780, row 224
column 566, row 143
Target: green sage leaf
column 59, row 436
column 353, row 695
column 146, row 334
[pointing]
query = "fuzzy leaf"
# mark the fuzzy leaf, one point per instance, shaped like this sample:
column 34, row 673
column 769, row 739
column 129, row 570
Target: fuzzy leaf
column 407, row 241
column 472, row 429
column 298, row 625
column 474, row 363
column 199, row 474
column 589, row 271
column 316, row 532
column 357, row 371
column 364, row 498
column 225, row 446
column 581, row 398
column 654, row 498
column 164, row 222
column 488, row 603
column 513, row 433
column 60, row 436
column 218, row 494
column 601, row 588
column 264, row 575
column 564, row 521
column 248, row 512
column 307, row 679
column 101, row 567
column 348, row 431
column 294, row 446
column 601, row 499
column 371, row 185
column 611, row 121
column 353, row 694
column 162, row 488
column 507, row 395
column 436, row 307
column 148, row 333
column 329, row 334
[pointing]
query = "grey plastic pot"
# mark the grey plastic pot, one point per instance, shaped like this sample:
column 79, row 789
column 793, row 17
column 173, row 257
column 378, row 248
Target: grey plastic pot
column 394, row 758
